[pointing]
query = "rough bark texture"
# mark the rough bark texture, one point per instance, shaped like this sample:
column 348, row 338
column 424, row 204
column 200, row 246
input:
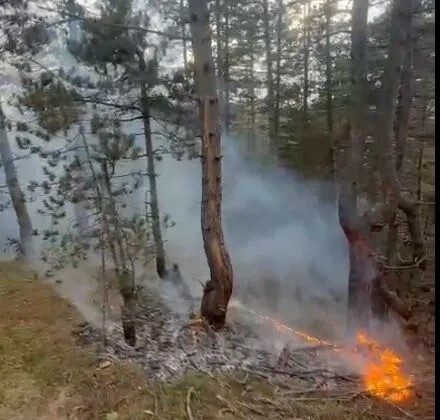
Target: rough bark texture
column 154, row 202
column 360, row 278
column 401, row 24
column 269, row 75
column 15, row 191
column 218, row 289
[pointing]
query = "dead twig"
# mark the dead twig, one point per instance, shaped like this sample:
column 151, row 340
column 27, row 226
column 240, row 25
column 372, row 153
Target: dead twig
column 188, row 403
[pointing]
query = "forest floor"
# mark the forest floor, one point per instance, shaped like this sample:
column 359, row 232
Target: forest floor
column 48, row 371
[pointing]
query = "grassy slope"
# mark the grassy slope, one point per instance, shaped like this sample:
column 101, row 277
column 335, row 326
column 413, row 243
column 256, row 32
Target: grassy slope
column 46, row 374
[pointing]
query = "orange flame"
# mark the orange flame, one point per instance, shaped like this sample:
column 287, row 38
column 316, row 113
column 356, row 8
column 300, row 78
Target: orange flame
column 384, row 376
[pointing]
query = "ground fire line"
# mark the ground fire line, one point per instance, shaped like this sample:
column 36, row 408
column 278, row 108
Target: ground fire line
column 382, row 369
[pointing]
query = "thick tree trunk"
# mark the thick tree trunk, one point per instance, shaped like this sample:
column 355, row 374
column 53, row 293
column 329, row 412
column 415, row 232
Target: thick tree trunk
column 360, row 276
column 15, row 192
column 154, row 202
column 269, row 76
column 276, row 117
column 252, row 140
column 401, row 25
column 306, row 65
column 218, row 289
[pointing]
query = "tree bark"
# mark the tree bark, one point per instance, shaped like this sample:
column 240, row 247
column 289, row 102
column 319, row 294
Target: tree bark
column 401, row 24
column 218, row 289
column 15, row 192
column 124, row 277
column 269, row 75
column 154, row 202
column 360, row 277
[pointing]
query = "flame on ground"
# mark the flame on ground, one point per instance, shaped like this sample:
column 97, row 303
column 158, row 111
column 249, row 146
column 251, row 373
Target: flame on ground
column 384, row 376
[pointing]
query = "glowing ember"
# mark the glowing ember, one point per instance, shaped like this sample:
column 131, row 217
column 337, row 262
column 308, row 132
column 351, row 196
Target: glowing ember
column 383, row 375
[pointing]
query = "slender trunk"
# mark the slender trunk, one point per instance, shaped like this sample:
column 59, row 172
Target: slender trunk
column 154, row 202
column 125, row 276
column 328, row 69
column 125, row 280
column 252, row 140
column 359, row 282
column 276, row 118
column 220, row 62
column 183, row 33
column 401, row 24
column 329, row 92
column 269, row 76
column 15, row 192
column 218, row 289
column 306, row 65
column 226, row 69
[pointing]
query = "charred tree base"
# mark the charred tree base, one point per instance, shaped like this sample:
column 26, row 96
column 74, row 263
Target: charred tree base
column 128, row 325
column 160, row 267
column 212, row 310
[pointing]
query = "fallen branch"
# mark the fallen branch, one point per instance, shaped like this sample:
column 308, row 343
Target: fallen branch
column 188, row 403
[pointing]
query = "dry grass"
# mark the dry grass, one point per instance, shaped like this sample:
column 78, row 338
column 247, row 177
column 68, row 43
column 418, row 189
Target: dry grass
column 46, row 374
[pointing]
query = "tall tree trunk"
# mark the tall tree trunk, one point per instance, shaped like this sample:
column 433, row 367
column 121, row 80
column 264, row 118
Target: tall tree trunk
column 220, row 63
column 401, row 24
column 329, row 90
column 183, row 33
column 328, row 68
column 15, row 191
column 276, row 118
column 252, row 140
column 154, row 202
column 269, row 76
column 125, row 278
column 360, row 279
column 218, row 289
column 306, row 65
column 404, row 104
column 226, row 69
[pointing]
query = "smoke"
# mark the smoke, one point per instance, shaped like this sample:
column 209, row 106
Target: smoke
column 288, row 253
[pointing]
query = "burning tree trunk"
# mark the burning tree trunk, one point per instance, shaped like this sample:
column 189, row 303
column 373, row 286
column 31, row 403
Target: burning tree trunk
column 154, row 202
column 218, row 289
column 15, row 191
column 360, row 276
